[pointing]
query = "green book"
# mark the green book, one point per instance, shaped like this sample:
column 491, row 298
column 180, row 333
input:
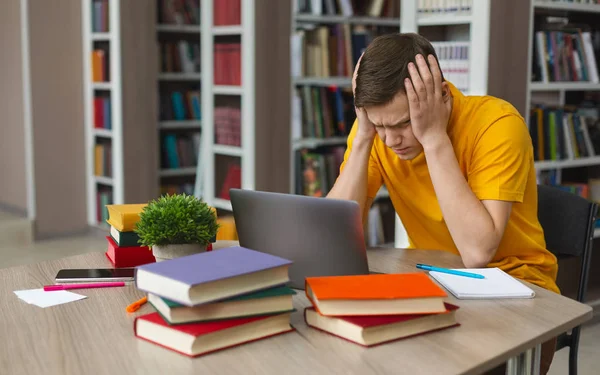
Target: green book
column 124, row 239
column 265, row 302
column 553, row 136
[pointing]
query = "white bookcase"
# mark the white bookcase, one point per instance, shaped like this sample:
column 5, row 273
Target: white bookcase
column 260, row 102
column 173, row 31
column 209, row 148
column 113, row 88
column 128, row 39
column 555, row 93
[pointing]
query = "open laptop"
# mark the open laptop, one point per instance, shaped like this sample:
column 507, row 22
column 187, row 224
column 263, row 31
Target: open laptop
column 323, row 237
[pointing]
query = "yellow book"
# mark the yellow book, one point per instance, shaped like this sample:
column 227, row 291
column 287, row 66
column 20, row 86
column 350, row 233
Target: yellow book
column 99, row 160
column 227, row 230
column 124, row 217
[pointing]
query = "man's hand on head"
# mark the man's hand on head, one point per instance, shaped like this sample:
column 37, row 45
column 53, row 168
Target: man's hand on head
column 429, row 110
column 366, row 130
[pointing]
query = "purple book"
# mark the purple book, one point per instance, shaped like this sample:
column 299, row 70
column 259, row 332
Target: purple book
column 212, row 276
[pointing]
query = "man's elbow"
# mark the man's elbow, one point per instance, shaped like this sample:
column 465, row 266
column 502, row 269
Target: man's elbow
column 478, row 257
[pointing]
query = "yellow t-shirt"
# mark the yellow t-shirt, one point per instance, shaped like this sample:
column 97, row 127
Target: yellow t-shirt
column 494, row 150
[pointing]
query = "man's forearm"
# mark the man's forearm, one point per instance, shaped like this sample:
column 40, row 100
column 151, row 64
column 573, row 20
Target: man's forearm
column 352, row 182
column 470, row 224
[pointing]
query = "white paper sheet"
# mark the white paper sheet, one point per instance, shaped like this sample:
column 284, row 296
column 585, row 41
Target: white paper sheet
column 44, row 299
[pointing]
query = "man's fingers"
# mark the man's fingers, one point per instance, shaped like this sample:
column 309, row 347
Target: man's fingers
column 425, row 74
column 418, row 84
column 437, row 75
column 413, row 100
column 356, row 73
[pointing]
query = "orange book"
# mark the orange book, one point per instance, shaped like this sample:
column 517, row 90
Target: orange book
column 385, row 294
column 98, row 66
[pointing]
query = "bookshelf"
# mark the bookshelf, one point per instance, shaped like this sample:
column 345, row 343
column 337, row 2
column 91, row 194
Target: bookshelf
column 104, row 177
column 310, row 79
column 559, row 84
column 116, row 104
column 243, row 141
column 179, row 80
column 562, row 95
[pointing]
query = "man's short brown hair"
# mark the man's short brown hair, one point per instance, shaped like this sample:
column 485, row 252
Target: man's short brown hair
column 384, row 66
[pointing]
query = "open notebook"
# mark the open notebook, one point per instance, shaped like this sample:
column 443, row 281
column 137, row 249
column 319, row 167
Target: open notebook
column 497, row 284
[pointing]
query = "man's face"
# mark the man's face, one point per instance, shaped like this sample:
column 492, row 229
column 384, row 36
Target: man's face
column 392, row 122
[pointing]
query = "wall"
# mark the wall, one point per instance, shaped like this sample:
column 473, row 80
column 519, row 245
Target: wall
column 139, row 73
column 57, row 116
column 13, row 192
column 272, row 100
column 509, row 43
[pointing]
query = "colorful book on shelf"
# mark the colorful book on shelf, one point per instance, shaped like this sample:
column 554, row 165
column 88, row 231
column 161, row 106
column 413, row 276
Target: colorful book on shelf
column 227, row 12
column 99, row 66
column 264, row 302
column 129, row 256
column 103, row 199
column 389, row 294
column 197, row 339
column 124, row 217
column 375, row 330
column 170, row 147
column 178, row 106
column 100, row 16
column 99, row 160
column 212, row 276
column 233, row 180
column 124, row 239
column 565, row 55
column 102, row 113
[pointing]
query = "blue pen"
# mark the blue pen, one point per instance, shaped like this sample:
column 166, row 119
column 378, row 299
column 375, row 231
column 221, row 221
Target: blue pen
column 452, row 272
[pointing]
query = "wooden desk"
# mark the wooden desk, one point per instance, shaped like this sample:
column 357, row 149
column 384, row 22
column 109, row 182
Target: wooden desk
column 95, row 335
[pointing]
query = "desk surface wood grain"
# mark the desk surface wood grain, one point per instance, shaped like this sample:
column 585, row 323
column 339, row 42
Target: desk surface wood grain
column 95, row 335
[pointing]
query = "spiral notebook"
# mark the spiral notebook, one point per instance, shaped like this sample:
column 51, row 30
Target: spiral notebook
column 497, row 284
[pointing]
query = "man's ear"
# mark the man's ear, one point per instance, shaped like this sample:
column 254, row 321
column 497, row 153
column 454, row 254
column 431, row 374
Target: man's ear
column 445, row 91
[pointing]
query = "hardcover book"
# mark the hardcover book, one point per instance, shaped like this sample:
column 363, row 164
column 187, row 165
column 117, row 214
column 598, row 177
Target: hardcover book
column 197, row 339
column 211, row 276
column 269, row 301
column 124, row 239
column 124, row 216
column 132, row 256
column 375, row 330
column 387, row 294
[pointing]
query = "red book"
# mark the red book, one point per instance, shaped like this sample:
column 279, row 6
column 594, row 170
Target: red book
column 129, row 256
column 195, row 339
column 375, row 330
column 98, row 113
column 233, row 180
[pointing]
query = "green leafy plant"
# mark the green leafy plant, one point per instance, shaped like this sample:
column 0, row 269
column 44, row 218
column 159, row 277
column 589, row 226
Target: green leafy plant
column 176, row 219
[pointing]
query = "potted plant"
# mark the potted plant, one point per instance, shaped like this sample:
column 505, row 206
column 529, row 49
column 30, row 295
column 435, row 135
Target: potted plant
column 176, row 225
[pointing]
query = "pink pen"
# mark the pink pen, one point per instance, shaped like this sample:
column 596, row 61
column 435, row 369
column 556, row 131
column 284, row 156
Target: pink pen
column 50, row 288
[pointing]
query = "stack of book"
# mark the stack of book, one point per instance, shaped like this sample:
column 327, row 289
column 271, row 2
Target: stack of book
column 215, row 300
column 374, row 309
column 123, row 248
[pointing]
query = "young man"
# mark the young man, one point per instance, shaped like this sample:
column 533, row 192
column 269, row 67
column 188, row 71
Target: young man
column 459, row 169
